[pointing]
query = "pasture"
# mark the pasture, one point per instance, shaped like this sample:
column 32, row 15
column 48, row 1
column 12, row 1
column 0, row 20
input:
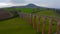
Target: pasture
column 15, row 26
column 20, row 26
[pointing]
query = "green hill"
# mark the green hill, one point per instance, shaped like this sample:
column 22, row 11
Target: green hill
column 15, row 26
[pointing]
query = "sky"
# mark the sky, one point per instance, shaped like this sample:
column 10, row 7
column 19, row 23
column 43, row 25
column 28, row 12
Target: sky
column 43, row 3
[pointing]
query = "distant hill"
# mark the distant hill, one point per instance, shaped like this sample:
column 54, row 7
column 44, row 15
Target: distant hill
column 27, row 6
column 30, row 6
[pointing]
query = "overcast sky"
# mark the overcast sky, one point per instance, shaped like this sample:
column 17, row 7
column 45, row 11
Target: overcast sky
column 44, row 3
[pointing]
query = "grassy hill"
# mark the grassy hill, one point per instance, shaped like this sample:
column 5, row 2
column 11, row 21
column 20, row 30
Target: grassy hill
column 15, row 26
column 49, row 13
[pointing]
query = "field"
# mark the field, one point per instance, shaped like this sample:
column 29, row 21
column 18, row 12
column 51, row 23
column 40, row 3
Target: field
column 19, row 26
column 15, row 26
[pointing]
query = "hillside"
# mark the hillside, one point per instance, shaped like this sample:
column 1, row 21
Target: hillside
column 19, row 26
column 15, row 26
column 4, row 15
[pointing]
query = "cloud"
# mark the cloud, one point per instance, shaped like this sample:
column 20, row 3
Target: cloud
column 44, row 3
column 48, row 3
column 17, row 1
column 4, row 5
column 10, row 4
column 4, row 1
column 28, row 0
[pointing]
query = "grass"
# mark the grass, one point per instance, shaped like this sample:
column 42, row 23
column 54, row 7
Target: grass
column 27, row 10
column 49, row 13
column 15, row 26
column 24, row 29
